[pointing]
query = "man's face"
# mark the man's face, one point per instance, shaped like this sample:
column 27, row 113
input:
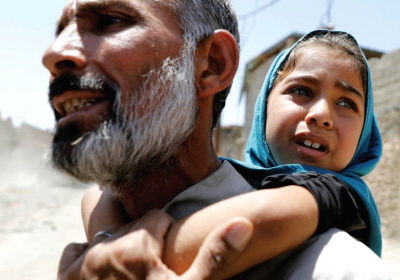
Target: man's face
column 119, row 88
column 116, row 40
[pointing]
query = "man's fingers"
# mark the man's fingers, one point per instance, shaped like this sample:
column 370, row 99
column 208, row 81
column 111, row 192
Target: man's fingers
column 220, row 249
column 69, row 257
column 156, row 224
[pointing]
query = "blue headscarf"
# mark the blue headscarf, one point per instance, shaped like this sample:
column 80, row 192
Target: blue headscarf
column 366, row 157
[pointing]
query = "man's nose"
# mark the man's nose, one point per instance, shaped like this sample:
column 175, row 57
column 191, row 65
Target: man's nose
column 66, row 53
column 320, row 114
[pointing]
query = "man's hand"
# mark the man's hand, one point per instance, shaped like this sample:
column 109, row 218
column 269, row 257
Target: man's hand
column 135, row 251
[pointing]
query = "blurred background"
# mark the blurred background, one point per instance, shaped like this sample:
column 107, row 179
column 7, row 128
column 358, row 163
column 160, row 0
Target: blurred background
column 40, row 209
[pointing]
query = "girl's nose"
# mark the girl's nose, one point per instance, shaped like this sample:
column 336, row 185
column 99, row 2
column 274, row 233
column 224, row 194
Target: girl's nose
column 320, row 114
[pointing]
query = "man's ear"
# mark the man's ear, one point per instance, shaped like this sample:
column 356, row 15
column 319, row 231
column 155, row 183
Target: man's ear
column 217, row 60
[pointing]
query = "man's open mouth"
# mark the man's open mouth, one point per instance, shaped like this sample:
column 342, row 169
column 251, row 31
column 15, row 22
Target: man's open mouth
column 75, row 104
column 70, row 94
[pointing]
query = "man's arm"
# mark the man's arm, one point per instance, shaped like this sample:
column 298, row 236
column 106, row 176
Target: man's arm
column 110, row 257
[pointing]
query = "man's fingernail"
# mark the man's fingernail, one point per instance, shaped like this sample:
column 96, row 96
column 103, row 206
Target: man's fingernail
column 239, row 234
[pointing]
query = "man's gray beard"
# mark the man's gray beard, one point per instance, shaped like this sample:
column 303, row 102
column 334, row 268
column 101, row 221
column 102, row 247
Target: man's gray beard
column 146, row 133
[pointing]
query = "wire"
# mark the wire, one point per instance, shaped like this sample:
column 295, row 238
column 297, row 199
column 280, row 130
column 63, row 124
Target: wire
column 258, row 10
column 247, row 27
column 326, row 19
column 244, row 19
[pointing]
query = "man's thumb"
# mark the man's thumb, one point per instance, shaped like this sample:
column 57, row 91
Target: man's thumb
column 220, row 249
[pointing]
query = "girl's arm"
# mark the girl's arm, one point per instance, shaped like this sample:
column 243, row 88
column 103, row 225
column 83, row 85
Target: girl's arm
column 283, row 218
column 297, row 206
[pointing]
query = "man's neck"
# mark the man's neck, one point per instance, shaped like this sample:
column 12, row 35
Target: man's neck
column 155, row 191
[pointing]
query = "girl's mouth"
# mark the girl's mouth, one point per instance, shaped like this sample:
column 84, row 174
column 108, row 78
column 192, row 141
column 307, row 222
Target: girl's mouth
column 310, row 144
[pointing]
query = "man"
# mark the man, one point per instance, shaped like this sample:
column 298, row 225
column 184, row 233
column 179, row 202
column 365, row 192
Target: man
column 137, row 88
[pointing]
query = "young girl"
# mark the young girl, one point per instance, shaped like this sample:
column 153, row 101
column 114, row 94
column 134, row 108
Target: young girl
column 358, row 145
column 314, row 113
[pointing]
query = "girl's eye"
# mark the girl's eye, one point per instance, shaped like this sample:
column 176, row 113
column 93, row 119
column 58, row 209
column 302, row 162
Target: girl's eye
column 300, row 91
column 348, row 104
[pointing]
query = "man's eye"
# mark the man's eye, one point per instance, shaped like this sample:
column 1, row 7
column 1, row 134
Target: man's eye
column 348, row 104
column 300, row 91
column 105, row 21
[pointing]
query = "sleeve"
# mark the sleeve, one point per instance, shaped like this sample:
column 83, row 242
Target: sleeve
column 338, row 205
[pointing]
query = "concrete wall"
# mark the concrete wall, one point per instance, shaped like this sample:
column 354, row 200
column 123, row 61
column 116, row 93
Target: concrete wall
column 255, row 81
column 386, row 83
column 384, row 181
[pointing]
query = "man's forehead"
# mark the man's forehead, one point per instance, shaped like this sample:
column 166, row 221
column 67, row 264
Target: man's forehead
column 78, row 3
column 73, row 6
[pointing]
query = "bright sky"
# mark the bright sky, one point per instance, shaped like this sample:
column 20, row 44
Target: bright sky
column 27, row 28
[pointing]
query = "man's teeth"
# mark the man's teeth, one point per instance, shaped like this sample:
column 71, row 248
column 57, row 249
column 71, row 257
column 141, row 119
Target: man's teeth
column 308, row 143
column 75, row 104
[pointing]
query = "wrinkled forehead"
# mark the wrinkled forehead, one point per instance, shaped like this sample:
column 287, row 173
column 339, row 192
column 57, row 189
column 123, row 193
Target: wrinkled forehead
column 73, row 7
column 73, row 4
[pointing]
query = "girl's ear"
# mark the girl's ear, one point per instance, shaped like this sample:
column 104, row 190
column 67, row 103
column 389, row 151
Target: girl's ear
column 217, row 60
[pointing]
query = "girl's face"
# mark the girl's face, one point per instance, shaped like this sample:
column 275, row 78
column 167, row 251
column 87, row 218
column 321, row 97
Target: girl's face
column 315, row 114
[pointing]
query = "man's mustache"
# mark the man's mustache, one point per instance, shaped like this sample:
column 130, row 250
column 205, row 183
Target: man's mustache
column 70, row 82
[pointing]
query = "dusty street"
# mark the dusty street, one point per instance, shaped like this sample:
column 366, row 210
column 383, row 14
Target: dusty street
column 36, row 224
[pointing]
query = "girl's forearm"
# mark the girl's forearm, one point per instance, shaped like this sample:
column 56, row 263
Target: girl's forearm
column 283, row 218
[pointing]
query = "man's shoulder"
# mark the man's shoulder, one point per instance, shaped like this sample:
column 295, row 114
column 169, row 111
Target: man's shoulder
column 254, row 175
